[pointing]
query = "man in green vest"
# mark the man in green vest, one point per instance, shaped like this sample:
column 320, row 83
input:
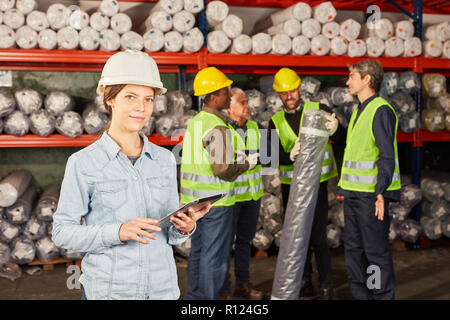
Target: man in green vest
column 370, row 177
column 286, row 125
column 248, row 190
column 208, row 167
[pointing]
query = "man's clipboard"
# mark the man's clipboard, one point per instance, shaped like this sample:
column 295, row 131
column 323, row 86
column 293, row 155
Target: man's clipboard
column 197, row 205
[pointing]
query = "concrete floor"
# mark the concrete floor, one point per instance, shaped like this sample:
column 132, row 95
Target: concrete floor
column 420, row 274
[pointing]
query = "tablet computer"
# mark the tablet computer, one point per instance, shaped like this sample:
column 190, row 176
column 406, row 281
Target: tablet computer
column 197, row 205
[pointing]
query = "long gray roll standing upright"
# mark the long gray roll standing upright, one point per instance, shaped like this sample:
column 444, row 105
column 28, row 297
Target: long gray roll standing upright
column 300, row 207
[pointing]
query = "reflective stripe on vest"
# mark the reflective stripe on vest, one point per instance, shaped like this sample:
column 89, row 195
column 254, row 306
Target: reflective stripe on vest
column 288, row 137
column 359, row 166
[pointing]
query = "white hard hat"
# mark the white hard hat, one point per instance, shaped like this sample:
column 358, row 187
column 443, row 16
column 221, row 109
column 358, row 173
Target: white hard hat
column 131, row 67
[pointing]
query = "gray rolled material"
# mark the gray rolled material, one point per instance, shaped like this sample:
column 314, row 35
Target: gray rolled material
column 69, row 124
column 37, row 20
column 336, row 214
column 159, row 20
column 7, row 102
column 375, row 46
column 99, row 21
column 94, row 121
column 68, row 38
column 242, row 44
column 149, row 127
column 193, row 6
column 272, row 223
column 331, row 29
column 16, row 124
column 305, row 96
column 48, row 202
column 13, row 186
column 357, row 48
column 160, row 105
column 340, row 115
column 109, row 7
column 13, row 18
column 262, row 239
column 11, row 271
column 409, row 122
column 409, row 82
column 154, row 40
column 20, row 211
column 409, row 230
column 165, row 125
column 445, row 226
column 334, row 234
column 216, row 12
column 404, row 29
column 50, row 229
column 443, row 103
column 390, row 83
column 340, row 96
column 291, row 27
column 433, row 120
column 218, row 41
column 324, row 98
column 180, row 98
column 273, row 102
column 403, row 102
column 193, row 40
column 339, row 46
column 8, row 231
column 439, row 209
column 301, row 45
column 42, row 123
column 311, row 28
column 28, row 100
column 255, row 101
column 79, row 20
column 89, row 39
column 232, row 25
column 173, row 41
column 58, row 102
column 131, row 40
column 188, row 115
column 435, row 84
column 393, row 231
column 70, row 254
column 26, row 38
column 23, row 250
column 398, row 212
column 277, row 237
column 350, row 29
column 35, row 229
column 410, row 195
column 271, row 205
column 58, row 16
column 413, row 47
column 431, row 227
column 98, row 101
column 261, row 43
column 7, row 37
column 432, row 190
column 46, row 250
column 109, row 40
column 300, row 208
column 183, row 21
column 324, row 12
column 26, row 6
column 310, row 85
column 281, row 44
column 47, row 39
column 394, row 47
column 5, row 253
column 121, row 23
column 6, row 4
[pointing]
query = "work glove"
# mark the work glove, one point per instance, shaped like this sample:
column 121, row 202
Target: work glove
column 240, row 156
column 331, row 123
column 295, row 150
column 252, row 160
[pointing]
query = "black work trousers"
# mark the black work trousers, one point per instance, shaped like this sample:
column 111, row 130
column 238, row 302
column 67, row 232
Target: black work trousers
column 318, row 240
column 368, row 255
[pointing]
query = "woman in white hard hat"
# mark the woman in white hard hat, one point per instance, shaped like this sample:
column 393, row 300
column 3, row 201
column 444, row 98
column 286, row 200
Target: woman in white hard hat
column 123, row 185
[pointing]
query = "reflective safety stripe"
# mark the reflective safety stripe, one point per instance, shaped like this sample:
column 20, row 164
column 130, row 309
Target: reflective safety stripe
column 359, row 179
column 328, row 169
column 202, row 193
column 396, row 176
column 245, row 189
column 363, row 164
column 246, row 177
column 287, row 174
column 328, row 155
column 198, row 177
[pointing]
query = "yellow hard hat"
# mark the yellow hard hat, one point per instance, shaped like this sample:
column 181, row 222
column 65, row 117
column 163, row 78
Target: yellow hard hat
column 209, row 80
column 286, row 80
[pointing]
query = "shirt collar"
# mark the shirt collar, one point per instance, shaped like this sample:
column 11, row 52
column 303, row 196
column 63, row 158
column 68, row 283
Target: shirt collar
column 235, row 124
column 215, row 112
column 112, row 148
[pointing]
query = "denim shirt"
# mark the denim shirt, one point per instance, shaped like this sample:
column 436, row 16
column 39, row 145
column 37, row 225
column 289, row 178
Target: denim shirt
column 101, row 185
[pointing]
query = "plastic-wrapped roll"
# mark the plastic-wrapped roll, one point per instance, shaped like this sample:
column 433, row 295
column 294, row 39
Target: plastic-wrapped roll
column 68, row 38
column 242, row 44
column 164, row 125
column 188, row 115
column 37, row 20
column 409, row 122
column 48, row 202
column 58, row 102
column 320, row 45
column 431, row 228
column 47, row 39
column 357, row 48
column 193, row 6
column 216, row 12
column 23, row 250
column 324, row 12
column 179, row 99
column 89, row 39
column 272, row 223
column 409, row 230
column 435, row 84
column 404, row 29
column 20, row 211
column 109, row 7
column 255, row 101
column 131, row 40
column 311, row 28
column 154, row 40
column 46, row 249
column 173, row 41
column 5, row 253
column 281, row 44
column 333, row 236
column 393, row 232
column 301, row 45
column 26, row 38
column 28, row 100
column 6, row 4
column 232, row 25
column 323, row 98
column 13, row 186
column 439, row 209
column 58, row 16
column 273, row 102
column 413, row 47
column 445, row 226
column 26, row 6
column 390, row 82
column 98, row 101
column 310, row 85
column 291, row 27
column 193, row 40
column 402, row 102
column 160, row 20
column 69, row 124
column 394, row 47
column 439, row 32
column 184, row 21
column 350, row 29
column 17, row 123
column 271, row 180
column 109, row 40
column 398, row 212
column 409, row 82
column 149, row 127
column 375, row 46
column 99, row 21
column 340, row 96
column 7, row 37
column 218, row 41
column 42, row 123
column 261, row 43
column 78, row 20
column 277, row 238
column 432, row 48
column 382, row 28
column 13, row 18
column 447, row 121
column 336, row 214
column 271, row 205
column 262, row 239
column 431, row 190
column 71, row 255
column 94, row 121
column 8, row 231
column 11, row 271
column 305, row 96
column 121, row 23
column 169, row 6
column 331, row 29
column 433, row 120
column 160, row 105
column 446, row 50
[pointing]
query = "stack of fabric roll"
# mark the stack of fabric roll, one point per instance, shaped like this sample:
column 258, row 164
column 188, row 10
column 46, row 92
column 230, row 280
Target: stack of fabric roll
column 437, row 40
column 436, row 113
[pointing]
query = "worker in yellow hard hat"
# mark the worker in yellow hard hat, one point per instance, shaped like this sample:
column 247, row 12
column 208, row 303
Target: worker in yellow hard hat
column 285, row 124
column 208, row 167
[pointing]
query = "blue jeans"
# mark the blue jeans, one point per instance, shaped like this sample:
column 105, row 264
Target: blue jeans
column 83, row 295
column 208, row 258
column 245, row 218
